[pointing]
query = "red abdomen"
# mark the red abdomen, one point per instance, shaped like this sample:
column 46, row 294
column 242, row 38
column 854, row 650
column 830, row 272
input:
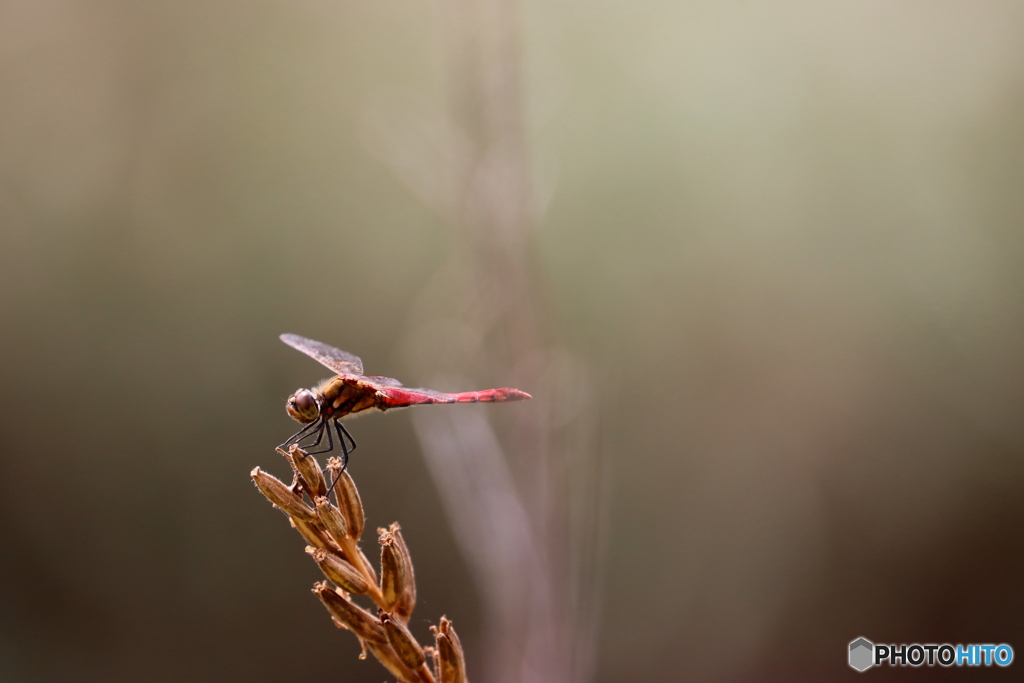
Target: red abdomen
column 400, row 397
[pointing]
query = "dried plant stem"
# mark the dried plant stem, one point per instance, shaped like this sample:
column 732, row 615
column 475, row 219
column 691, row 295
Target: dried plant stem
column 348, row 546
column 332, row 531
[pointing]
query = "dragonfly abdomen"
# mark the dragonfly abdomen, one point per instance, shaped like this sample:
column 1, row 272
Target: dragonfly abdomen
column 400, row 397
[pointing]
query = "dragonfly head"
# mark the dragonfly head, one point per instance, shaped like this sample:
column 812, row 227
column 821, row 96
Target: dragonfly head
column 303, row 406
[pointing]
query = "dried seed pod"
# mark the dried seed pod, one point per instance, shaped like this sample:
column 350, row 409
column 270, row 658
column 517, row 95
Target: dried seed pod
column 445, row 626
column 331, row 518
column 332, row 532
column 312, row 534
column 451, row 661
column 387, row 656
column 407, row 597
column 348, row 499
column 394, row 575
column 282, row 496
column 309, row 469
column 409, row 651
column 340, row 572
column 355, row 618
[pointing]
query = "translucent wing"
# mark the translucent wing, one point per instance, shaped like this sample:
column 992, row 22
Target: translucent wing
column 340, row 361
column 382, row 381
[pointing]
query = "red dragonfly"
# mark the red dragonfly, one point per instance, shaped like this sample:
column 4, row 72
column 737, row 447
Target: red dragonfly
column 350, row 392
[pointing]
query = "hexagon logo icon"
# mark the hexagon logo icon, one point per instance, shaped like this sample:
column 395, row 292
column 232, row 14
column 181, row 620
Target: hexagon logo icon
column 862, row 654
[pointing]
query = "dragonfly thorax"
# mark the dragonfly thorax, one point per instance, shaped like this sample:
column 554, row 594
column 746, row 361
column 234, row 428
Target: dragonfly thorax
column 303, row 406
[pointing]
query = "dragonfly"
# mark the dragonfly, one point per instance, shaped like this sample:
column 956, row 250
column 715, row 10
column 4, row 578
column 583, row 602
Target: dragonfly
column 349, row 392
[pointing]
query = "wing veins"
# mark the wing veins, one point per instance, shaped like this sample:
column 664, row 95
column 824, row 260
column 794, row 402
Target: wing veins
column 339, row 361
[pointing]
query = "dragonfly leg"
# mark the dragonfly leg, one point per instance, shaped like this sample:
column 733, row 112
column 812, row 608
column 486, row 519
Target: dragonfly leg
column 319, row 438
column 344, row 431
column 345, row 450
column 302, row 433
column 325, row 429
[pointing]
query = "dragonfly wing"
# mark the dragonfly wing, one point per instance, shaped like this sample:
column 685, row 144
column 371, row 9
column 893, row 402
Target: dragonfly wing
column 341, row 362
column 379, row 381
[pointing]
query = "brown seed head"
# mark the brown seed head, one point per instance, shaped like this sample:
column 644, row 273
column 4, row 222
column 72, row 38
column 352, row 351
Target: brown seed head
column 355, row 618
column 407, row 597
column 340, row 572
column 333, row 532
column 348, row 499
column 331, row 518
column 450, row 659
column 309, row 469
column 394, row 575
column 409, row 651
column 313, row 534
column 282, row 496
column 387, row 656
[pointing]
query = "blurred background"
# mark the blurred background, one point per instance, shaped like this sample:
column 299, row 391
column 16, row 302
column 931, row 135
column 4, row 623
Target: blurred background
column 762, row 262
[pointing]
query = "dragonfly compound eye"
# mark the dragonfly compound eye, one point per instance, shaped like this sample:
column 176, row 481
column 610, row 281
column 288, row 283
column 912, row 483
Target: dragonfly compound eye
column 302, row 406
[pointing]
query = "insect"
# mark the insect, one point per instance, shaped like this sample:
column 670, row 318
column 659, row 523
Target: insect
column 350, row 392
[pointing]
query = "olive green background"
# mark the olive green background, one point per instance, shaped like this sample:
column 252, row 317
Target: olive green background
column 786, row 237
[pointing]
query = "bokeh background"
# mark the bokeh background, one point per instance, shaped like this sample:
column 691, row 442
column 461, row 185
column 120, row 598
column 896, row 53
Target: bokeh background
column 786, row 239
